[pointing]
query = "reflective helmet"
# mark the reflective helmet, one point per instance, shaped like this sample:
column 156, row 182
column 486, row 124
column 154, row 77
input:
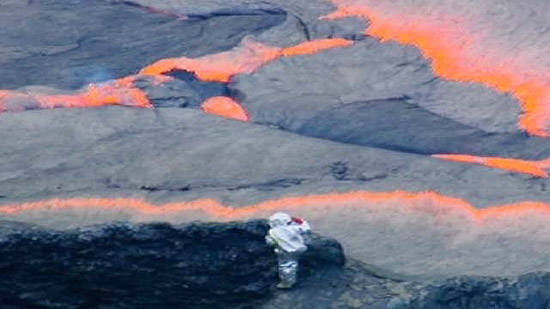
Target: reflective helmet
column 279, row 219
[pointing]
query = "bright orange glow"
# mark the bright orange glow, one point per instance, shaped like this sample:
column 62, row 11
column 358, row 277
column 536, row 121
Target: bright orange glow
column 119, row 92
column 219, row 67
column 535, row 168
column 4, row 95
column 426, row 202
column 449, row 45
column 244, row 59
column 315, row 46
column 225, row 107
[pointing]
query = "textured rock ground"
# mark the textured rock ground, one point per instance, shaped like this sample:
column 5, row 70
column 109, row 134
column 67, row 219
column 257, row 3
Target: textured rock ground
column 184, row 154
column 79, row 42
column 361, row 118
column 359, row 286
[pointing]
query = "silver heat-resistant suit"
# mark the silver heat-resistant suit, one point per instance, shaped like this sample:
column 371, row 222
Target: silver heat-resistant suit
column 286, row 234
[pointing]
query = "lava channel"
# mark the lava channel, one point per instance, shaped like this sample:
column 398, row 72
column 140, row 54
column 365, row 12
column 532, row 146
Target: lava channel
column 533, row 168
column 220, row 67
column 119, row 92
column 244, row 59
column 410, row 233
column 427, row 202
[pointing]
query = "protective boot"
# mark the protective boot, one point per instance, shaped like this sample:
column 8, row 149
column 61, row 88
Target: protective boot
column 288, row 270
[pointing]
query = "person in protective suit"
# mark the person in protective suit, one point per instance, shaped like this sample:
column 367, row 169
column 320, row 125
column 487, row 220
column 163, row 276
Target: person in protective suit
column 286, row 235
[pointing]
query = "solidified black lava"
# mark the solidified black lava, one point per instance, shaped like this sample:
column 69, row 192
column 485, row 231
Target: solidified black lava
column 145, row 266
column 215, row 265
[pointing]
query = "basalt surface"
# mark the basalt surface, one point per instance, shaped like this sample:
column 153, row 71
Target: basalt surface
column 350, row 113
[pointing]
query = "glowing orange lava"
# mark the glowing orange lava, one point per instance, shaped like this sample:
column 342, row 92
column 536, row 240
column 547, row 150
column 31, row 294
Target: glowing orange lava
column 449, row 45
column 315, row 46
column 219, row 67
column 426, row 202
column 4, row 95
column 535, row 168
column 225, row 107
column 244, row 59
column 120, row 92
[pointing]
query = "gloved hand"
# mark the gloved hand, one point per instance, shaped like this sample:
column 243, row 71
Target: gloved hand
column 270, row 241
column 277, row 250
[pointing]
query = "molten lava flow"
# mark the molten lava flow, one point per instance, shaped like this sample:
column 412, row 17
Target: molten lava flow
column 4, row 95
column 450, row 44
column 431, row 203
column 244, row 59
column 312, row 47
column 535, row 168
column 219, row 67
column 120, row 92
column 225, row 107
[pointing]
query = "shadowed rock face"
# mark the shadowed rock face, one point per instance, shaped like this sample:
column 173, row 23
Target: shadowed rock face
column 152, row 265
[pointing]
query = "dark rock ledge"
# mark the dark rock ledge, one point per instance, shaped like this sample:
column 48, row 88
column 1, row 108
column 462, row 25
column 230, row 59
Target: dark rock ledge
column 201, row 265
column 219, row 265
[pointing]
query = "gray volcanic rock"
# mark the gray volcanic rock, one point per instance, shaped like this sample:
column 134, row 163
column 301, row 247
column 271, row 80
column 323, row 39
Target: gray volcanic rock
column 360, row 286
column 79, row 42
column 361, row 118
column 175, row 154
column 528, row 291
column 371, row 70
column 385, row 95
column 302, row 22
column 185, row 90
